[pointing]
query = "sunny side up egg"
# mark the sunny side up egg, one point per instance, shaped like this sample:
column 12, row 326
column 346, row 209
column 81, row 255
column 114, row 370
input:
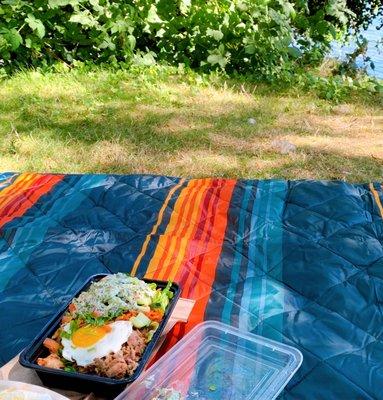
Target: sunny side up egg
column 91, row 342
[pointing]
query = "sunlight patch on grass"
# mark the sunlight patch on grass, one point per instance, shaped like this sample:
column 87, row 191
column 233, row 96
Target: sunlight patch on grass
column 205, row 163
column 347, row 146
column 163, row 123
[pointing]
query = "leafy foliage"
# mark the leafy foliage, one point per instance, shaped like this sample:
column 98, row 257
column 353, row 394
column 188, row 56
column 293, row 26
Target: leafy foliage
column 265, row 37
column 362, row 11
column 339, row 88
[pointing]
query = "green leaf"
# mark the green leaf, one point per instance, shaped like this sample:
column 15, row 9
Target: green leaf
column 120, row 25
column 250, row 49
column 217, row 59
column 322, row 27
column 107, row 44
column 301, row 22
column 132, row 41
column 217, row 35
column 96, row 5
column 146, row 59
column 160, row 33
column 153, row 17
column 185, row 6
column 83, row 18
column 13, row 37
column 36, row 25
column 28, row 42
column 276, row 16
column 294, row 52
column 288, row 8
column 242, row 6
column 58, row 3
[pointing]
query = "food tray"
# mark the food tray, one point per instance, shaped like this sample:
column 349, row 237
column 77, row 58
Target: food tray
column 86, row 383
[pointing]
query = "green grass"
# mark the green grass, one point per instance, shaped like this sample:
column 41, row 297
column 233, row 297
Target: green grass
column 156, row 120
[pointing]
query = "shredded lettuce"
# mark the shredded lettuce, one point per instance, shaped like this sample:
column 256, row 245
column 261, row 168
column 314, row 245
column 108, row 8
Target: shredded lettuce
column 73, row 326
column 152, row 286
column 154, row 326
column 90, row 319
column 70, row 368
column 68, row 365
column 162, row 297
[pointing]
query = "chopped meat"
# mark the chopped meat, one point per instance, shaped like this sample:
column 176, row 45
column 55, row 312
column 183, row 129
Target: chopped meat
column 57, row 334
column 112, row 366
column 66, row 319
column 133, row 350
column 124, row 362
column 52, row 361
column 51, row 345
column 72, row 308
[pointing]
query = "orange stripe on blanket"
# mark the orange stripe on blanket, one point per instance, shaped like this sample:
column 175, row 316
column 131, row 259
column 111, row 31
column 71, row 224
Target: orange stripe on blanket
column 167, row 254
column 183, row 234
column 202, row 259
column 176, row 224
column 155, row 227
column 15, row 190
column 23, row 193
column 11, row 190
column 188, row 277
column 197, row 269
column 377, row 199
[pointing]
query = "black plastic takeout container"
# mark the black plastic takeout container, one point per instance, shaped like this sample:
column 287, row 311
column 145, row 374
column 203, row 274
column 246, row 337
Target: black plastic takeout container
column 86, row 383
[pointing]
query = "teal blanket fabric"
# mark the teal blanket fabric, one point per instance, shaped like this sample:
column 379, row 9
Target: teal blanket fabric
column 297, row 261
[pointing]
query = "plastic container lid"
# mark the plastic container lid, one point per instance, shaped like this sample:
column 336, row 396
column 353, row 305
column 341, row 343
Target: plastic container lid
column 215, row 361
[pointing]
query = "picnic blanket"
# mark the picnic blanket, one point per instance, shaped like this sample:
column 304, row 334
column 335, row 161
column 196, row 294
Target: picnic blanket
column 296, row 261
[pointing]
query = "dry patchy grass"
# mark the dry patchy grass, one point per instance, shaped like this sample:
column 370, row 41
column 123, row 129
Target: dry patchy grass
column 171, row 124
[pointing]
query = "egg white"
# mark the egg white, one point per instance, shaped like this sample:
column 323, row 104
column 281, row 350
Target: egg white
column 110, row 343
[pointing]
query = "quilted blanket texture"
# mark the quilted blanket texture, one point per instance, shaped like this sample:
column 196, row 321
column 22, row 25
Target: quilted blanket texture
column 297, row 261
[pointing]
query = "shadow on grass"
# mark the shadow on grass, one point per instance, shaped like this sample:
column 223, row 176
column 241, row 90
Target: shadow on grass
column 123, row 126
column 163, row 127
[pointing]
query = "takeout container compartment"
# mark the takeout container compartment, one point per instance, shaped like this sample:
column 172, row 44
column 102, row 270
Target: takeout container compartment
column 215, row 361
column 85, row 383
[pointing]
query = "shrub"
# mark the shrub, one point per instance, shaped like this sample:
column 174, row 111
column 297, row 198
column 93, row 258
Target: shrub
column 264, row 37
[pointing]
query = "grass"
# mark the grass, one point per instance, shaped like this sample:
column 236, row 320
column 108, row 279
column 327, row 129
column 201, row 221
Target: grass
column 158, row 121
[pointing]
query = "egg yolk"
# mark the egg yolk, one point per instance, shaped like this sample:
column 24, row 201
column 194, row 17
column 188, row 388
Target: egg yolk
column 89, row 335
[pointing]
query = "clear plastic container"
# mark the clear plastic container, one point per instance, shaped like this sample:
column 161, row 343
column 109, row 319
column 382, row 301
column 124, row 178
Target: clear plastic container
column 215, row 361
